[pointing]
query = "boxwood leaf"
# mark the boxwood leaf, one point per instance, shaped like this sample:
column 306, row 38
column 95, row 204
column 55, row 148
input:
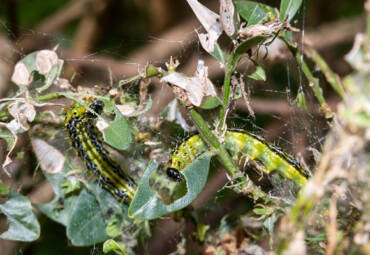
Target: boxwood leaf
column 147, row 205
column 253, row 12
column 86, row 224
column 288, row 9
column 23, row 224
column 118, row 134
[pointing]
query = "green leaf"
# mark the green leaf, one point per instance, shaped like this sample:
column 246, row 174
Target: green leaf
column 259, row 74
column 269, row 223
column 262, row 211
column 301, row 99
column 114, row 246
column 60, row 207
column 3, row 189
column 113, row 228
column 23, row 224
column 8, row 137
column 316, row 239
column 247, row 45
column 51, row 76
column 151, row 71
column 288, row 9
column 210, row 103
column 219, row 54
column 86, row 224
column 89, row 217
column 147, row 108
column 202, row 230
column 255, row 13
column 147, row 205
column 118, row 134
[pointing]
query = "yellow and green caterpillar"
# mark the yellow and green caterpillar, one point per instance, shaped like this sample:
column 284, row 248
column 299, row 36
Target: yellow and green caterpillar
column 241, row 145
column 88, row 143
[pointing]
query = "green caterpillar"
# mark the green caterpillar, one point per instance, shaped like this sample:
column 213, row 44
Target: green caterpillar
column 241, row 145
column 88, row 143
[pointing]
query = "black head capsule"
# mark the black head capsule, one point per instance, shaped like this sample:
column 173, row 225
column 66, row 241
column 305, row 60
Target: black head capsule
column 97, row 106
column 174, row 174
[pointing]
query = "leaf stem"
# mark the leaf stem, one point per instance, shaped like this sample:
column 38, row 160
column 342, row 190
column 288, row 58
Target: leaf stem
column 213, row 143
column 49, row 96
column 230, row 68
column 313, row 81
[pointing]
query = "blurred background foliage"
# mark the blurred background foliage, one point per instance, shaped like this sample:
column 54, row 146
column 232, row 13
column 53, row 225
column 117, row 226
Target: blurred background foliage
column 98, row 39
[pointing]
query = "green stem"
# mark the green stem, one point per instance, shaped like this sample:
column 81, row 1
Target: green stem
column 230, row 68
column 213, row 143
column 367, row 8
column 331, row 77
column 129, row 80
column 49, row 96
column 314, row 82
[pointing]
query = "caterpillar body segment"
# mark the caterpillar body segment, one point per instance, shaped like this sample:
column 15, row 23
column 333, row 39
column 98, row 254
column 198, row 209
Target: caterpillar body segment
column 87, row 141
column 241, row 145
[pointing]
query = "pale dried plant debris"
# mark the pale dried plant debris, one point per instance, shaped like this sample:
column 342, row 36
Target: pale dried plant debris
column 21, row 75
column 101, row 125
column 45, row 61
column 297, row 246
column 22, row 113
column 268, row 28
column 126, row 110
column 211, row 23
column 196, row 87
column 51, row 159
column 227, row 12
column 64, row 84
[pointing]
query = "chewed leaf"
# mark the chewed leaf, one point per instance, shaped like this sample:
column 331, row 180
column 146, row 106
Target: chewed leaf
column 118, row 134
column 147, row 205
column 43, row 62
column 90, row 215
column 60, row 207
column 23, row 224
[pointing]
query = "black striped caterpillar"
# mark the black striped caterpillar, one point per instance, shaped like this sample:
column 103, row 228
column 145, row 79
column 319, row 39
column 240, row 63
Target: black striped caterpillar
column 87, row 141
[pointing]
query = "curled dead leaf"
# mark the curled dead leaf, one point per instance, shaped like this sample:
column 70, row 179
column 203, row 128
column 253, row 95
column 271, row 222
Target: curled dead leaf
column 102, row 125
column 21, row 75
column 126, row 110
column 45, row 61
column 227, row 11
column 51, row 159
column 211, row 23
column 197, row 88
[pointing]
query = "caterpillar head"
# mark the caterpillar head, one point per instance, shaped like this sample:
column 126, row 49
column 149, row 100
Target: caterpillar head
column 75, row 111
column 174, row 174
column 78, row 110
